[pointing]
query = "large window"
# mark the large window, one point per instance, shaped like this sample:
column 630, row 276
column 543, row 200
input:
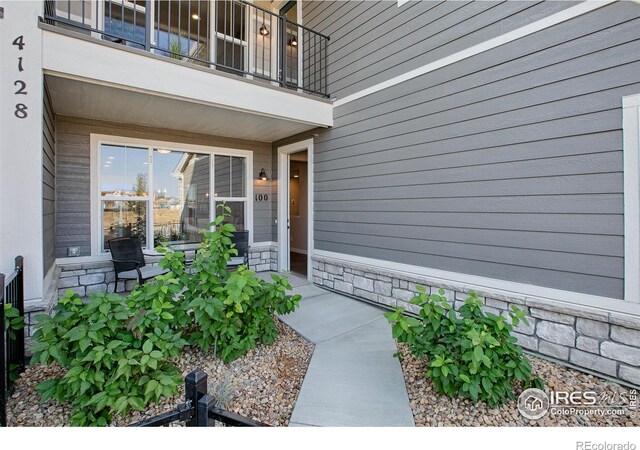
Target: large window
column 163, row 195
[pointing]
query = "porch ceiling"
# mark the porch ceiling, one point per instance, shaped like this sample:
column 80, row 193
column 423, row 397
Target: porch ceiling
column 80, row 98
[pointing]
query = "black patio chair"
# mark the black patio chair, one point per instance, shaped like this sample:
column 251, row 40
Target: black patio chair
column 241, row 240
column 128, row 261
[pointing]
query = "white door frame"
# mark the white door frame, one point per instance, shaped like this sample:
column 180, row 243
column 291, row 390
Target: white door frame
column 283, row 203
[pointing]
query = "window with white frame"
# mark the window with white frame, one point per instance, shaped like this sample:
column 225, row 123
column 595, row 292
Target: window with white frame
column 163, row 195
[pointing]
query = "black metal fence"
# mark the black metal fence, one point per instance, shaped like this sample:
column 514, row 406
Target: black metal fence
column 230, row 35
column 12, row 359
column 199, row 409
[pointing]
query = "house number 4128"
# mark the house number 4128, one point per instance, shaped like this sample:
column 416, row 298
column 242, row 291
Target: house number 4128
column 21, row 109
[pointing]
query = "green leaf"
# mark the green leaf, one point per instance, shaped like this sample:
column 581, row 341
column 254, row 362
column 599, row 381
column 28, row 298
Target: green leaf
column 136, row 403
column 147, row 346
column 84, row 343
column 104, row 308
column 76, row 334
column 120, row 404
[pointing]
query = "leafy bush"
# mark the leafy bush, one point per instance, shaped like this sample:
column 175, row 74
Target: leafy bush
column 232, row 311
column 13, row 322
column 117, row 349
column 471, row 354
column 239, row 314
column 116, row 356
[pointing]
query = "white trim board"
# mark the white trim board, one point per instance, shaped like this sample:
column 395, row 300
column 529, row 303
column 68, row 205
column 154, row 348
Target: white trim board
column 263, row 244
column 283, row 206
column 631, row 152
column 500, row 288
column 554, row 19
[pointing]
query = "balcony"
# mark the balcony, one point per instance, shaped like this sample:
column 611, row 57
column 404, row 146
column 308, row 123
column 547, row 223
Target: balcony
column 226, row 68
column 232, row 36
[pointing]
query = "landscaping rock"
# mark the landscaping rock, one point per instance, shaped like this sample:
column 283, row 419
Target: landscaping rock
column 263, row 385
column 431, row 408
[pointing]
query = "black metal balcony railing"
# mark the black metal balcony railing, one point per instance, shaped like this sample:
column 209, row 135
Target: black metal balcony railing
column 229, row 35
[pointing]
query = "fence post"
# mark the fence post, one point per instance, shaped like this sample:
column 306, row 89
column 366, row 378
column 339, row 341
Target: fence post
column 204, row 404
column 20, row 307
column 195, row 387
column 3, row 382
column 283, row 52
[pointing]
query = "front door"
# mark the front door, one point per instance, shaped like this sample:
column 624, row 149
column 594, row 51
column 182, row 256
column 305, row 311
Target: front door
column 295, row 207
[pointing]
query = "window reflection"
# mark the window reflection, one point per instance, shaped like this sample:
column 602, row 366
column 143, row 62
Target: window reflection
column 163, row 195
column 181, row 196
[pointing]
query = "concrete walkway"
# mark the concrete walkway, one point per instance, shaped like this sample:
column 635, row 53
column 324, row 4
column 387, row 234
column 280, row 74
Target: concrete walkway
column 353, row 378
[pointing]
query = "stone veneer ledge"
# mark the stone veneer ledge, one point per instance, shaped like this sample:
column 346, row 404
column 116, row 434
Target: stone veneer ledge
column 585, row 337
column 98, row 276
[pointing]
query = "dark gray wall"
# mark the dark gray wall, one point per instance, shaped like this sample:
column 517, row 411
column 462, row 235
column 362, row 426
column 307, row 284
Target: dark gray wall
column 73, row 196
column 507, row 164
column 373, row 41
column 48, row 182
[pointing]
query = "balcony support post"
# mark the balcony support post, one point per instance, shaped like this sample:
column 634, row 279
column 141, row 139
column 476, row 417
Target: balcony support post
column 148, row 27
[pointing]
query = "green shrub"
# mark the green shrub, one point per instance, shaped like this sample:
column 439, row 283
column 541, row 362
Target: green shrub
column 233, row 312
column 116, row 356
column 471, row 354
column 239, row 314
column 13, row 322
column 117, row 349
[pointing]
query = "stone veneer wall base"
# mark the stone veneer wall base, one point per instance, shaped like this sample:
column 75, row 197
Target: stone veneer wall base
column 85, row 278
column 593, row 340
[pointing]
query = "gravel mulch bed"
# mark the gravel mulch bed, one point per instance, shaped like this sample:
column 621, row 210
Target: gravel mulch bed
column 263, row 385
column 431, row 408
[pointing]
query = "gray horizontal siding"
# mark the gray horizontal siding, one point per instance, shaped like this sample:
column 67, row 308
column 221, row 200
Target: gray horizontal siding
column 73, row 193
column 374, row 41
column 48, row 183
column 507, row 164
column 73, row 197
